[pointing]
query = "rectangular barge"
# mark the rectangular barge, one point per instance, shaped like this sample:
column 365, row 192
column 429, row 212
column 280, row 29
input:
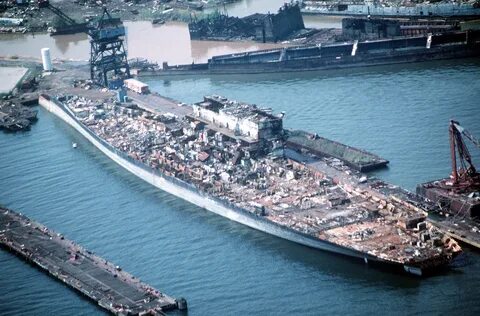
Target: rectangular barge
column 240, row 170
column 355, row 158
column 457, row 198
column 460, row 204
column 113, row 289
column 464, row 230
column 455, row 213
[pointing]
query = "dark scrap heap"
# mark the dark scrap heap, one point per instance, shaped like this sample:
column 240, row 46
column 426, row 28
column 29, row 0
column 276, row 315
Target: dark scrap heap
column 15, row 117
column 261, row 27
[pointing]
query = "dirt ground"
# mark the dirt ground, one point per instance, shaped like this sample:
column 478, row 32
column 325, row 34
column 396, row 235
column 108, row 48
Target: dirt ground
column 40, row 19
column 10, row 77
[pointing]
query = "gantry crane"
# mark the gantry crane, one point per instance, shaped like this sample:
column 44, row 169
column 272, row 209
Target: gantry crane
column 107, row 51
column 108, row 56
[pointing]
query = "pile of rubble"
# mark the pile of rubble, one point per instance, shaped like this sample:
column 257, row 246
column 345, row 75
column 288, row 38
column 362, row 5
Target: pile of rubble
column 221, row 27
column 86, row 84
column 286, row 23
column 14, row 117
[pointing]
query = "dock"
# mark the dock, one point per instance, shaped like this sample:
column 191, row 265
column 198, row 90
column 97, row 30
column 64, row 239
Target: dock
column 113, row 289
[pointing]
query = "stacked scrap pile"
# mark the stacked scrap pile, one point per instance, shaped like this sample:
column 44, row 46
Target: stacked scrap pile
column 16, row 117
column 265, row 27
column 221, row 26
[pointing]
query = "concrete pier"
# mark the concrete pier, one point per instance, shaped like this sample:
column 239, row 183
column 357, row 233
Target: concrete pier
column 108, row 285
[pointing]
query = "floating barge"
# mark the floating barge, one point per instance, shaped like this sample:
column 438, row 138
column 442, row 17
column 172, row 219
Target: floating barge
column 465, row 231
column 230, row 158
column 70, row 29
column 113, row 289
column 453, row 202
column 459, row 194
column 333, row 56
column 355, row 158
column 457, row 198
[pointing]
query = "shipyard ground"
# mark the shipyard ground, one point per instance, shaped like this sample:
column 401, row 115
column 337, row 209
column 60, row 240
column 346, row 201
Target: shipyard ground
column 114, row 290
column 11, row 76
column 40, row 19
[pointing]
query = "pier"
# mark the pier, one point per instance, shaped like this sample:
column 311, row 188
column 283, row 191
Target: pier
column 115, row 290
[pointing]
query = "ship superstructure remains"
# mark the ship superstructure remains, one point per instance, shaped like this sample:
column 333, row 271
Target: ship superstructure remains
column 229, row 157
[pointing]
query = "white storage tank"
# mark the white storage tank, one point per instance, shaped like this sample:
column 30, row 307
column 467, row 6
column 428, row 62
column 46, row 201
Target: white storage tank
column 46, row 59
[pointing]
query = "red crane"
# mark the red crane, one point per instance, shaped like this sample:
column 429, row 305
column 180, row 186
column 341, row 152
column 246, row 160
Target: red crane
column 464, row 174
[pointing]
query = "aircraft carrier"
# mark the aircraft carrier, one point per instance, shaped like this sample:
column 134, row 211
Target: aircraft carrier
column 232, row 159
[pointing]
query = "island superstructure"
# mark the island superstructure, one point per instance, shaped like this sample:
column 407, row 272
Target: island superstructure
column 232, row 158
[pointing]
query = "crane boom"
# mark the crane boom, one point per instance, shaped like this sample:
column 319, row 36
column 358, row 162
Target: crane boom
column 467, row 134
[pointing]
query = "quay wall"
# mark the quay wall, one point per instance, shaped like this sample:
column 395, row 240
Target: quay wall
column 190, row 193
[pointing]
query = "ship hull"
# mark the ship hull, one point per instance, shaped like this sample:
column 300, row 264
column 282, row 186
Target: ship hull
column 223, row 208
column 398, row 50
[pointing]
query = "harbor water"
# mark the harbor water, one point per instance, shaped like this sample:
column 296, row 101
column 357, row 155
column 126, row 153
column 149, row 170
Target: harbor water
column 223, row 268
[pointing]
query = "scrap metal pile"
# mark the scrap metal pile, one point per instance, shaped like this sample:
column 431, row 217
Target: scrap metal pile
column 270, row 27
column 14, row 117
column 221, row 26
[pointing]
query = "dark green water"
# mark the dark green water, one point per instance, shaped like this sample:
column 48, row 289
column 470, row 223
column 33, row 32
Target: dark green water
column 224, row 268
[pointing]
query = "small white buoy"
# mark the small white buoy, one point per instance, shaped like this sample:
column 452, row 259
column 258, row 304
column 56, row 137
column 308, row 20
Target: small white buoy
column 74, row 145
